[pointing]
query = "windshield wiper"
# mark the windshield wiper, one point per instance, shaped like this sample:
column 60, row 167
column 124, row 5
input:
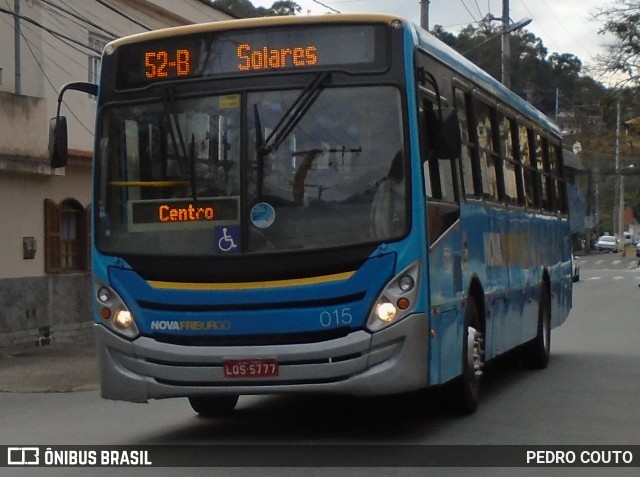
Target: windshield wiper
column 171, row 117
column 291, row 116
column 286, row 124
column 192, row 167
column 259, row 148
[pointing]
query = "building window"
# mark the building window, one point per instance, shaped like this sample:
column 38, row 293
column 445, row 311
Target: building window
column 67, row 236
column 96, row 45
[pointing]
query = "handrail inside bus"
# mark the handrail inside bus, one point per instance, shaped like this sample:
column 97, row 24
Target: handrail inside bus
column 148, row 183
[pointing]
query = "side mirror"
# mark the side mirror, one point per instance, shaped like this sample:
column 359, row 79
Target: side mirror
column 58, row 145
column 58, row 142
column 449, row 144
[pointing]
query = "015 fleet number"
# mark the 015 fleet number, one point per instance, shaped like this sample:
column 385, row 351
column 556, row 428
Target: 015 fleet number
column 337, row 317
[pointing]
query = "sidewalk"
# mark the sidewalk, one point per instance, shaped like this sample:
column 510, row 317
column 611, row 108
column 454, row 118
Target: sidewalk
column 56, row 368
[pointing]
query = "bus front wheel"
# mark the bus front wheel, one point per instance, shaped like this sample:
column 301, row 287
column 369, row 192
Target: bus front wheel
column 465, row 389
column 213, row 406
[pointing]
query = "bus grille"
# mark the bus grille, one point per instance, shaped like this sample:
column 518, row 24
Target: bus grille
column 254, row 340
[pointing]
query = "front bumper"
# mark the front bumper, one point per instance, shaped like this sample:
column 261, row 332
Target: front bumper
column 390, row 361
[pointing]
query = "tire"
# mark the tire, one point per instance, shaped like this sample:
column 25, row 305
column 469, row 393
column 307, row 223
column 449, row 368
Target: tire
column 464, row 393
column 538, row 350
column 213, row 406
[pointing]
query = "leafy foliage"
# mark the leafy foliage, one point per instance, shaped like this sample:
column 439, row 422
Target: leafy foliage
column 550, row 82
column 246, row 9
column 557, row 85
column 622, row 60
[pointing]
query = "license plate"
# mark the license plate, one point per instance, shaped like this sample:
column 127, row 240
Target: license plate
column 250, row 368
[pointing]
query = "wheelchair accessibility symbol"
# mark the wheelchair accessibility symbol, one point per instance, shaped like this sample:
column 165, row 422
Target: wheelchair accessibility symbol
column 228, row 238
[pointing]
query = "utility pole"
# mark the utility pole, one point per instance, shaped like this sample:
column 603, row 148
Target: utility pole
column 620, row 180
column 424, row 14
column 16, row 41
column 506, row 46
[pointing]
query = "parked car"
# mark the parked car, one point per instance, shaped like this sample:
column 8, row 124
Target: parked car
column 607, row 243
column 575, row 268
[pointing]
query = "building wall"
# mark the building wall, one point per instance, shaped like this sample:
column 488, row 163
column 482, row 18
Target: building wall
column 38, row 307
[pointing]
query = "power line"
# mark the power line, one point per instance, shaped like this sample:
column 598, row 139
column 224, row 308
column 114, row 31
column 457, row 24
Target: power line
column 478, row 7
column 81, row 18
column 122, row 14
column 72, row 26
column 91, row 13
column 468, row 10
column 72, row 59
column 326, row 6
column 26, row 41
column 48, row 30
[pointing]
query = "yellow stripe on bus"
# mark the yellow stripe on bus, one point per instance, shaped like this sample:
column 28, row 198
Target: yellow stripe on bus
column 251, row 285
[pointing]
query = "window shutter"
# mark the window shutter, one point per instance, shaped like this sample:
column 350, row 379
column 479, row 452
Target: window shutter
column 84, row 239
column 51, row 236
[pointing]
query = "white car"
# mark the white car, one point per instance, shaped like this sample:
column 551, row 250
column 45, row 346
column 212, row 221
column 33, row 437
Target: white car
column 607, row 243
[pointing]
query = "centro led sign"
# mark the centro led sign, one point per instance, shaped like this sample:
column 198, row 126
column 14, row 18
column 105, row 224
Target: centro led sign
column 190, row 213
column 177, row 212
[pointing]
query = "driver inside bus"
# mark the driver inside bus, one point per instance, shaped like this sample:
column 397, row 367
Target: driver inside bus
column 388, row 207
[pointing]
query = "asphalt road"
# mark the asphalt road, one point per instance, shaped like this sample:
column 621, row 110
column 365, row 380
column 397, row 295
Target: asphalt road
column 589, row 395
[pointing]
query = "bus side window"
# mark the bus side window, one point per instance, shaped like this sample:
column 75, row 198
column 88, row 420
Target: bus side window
column 555, row 158
column 488, row 156
column 440, row 176
column 470, row 171
column 529, row 168
column 544, row 172
column 511, row 168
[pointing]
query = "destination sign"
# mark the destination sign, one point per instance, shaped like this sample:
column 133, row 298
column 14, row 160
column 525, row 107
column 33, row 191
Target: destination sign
column 184, row 211
column 354, row 48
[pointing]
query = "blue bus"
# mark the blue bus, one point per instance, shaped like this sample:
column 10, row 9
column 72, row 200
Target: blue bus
column 335, row 204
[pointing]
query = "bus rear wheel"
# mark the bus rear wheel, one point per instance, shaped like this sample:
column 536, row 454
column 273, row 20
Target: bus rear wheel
column 538, row 350
column 213, row 406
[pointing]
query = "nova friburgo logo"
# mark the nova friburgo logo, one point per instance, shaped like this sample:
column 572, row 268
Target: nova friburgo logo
column 23, row 456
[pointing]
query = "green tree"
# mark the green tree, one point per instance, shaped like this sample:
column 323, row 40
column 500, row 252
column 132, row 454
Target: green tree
column 284, row 8
column 531, row 73
column 246, row 9
column 555, row 83
column 621, row 63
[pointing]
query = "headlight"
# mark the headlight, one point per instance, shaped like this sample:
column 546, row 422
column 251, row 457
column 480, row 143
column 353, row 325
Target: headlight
column 396, row 300
column 113, row 313
column 386, row 311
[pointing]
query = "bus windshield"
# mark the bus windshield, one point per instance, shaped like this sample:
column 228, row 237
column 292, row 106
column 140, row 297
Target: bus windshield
column 311, row 168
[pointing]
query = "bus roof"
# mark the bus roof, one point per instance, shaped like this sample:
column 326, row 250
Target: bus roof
column 426, row 40
column 258, row 23
column 479, row 77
